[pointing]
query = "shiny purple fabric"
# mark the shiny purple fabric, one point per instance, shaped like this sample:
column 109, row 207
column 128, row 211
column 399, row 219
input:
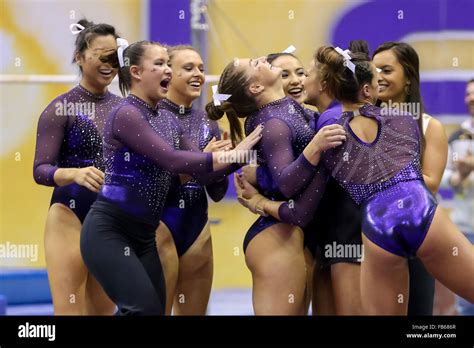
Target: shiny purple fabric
column 140, row 158
column 399, row 217
column 286, row 172
column 199, row 130
column 280, row 152
column 186, row 208
column 385, row 178
column 69, row 135
column 364, row 169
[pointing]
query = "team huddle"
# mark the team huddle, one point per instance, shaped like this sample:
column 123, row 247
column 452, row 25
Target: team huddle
column 127, row 231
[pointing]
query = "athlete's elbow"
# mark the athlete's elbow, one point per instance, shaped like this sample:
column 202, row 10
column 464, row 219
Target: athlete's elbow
column 286, row 192
column 294, row 215
column 304, row 220
column 40, row 180
column 37, row 179
column 432, row 183
column 218, row 195
column 37, row 176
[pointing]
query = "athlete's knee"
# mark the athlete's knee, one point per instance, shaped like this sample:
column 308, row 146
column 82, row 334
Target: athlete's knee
column 153, row 308
column 151, row 305
column 197, row 263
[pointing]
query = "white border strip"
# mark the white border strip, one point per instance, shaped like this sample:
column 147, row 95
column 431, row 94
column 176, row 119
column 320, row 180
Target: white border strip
column 443, row 35
column 145, row 20
column 451, row 118
column 446, row 75
column 40, row 78
column 65, row 79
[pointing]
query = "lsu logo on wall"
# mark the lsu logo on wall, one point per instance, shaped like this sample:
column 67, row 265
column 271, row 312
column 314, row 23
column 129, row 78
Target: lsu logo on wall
column 441, row 31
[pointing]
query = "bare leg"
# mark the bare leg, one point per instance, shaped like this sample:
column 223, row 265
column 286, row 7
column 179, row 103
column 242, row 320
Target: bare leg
column 445, row 301
column 97, row 301
column 384, row 281
column 67, row 272
column 449, row 256
column 276, row 259
column 346, row 288
column 308, row 256
column 196, row 269
column 169, row 262
column 323, row 298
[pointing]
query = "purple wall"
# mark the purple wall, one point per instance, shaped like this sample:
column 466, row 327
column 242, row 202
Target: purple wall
column 166, row 26
column 377, row 21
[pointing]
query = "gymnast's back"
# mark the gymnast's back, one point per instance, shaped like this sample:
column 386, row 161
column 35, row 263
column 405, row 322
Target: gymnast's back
column 394, row 156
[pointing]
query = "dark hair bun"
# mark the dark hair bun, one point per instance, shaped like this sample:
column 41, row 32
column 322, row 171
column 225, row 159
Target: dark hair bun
column 341, row 82
column 89, row 33
column 359, row 46
column 328, row 56
column 85, row 23
column 214, row 112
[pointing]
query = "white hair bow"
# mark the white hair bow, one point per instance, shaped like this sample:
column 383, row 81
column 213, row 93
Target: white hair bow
column 122, row 44
column 290, row 49
column 76, row 28
column 217, row 97
column 347, row 58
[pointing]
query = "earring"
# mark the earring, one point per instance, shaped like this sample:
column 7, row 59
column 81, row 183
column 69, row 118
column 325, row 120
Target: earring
column 407, row 89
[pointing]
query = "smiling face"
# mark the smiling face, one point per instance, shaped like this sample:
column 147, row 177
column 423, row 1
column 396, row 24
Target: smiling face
column 153, row 72
column 293, row 76
column 313, row 85
column 96, row 73
column 261, row 74
column 188, row 77
column 392, row 78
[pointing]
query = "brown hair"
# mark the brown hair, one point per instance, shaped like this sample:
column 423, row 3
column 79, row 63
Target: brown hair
column 408, row 59
column 88, row 34
column 341, row 82
column 132, row 55
column 239, row 105
column 272, row 56
column 359, row 46
column 173, row 49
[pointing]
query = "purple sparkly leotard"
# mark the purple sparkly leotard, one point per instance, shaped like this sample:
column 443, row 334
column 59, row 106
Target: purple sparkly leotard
column 264, row 178
column 118, row 235
column 70, row 136
column 140, row 158
column 383, row 177
column 280, row 153
column 185, row 210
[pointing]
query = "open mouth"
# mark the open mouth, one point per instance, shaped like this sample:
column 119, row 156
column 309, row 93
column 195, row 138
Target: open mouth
column 165, row 83
column 382, row 87
column 295, row 92
column 195, row 84
column 106, row 72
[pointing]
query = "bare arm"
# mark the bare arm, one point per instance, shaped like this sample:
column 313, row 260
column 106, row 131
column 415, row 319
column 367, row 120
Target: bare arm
column 435, row 155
